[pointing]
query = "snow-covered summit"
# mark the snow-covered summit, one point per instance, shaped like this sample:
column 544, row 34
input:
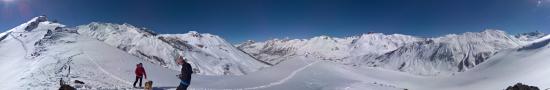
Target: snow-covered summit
column 24, row 48
column 39, row 23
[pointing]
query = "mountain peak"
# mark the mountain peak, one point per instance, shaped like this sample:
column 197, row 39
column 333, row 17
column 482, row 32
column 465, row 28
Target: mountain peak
column 372, row 33
column 325, row 37
column 33, row 23
column 250, row 41
column 493, row 31
column 41, row 18
column 193, row 32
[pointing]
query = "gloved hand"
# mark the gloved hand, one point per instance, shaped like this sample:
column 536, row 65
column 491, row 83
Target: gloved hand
column 179, row 76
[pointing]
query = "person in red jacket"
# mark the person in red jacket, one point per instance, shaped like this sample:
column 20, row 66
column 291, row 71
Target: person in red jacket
column 140, row 72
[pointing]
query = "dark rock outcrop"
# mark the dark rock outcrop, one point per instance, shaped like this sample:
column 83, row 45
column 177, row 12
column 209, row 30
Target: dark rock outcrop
column 34, row 24
column 520, row 86
column 5, row 36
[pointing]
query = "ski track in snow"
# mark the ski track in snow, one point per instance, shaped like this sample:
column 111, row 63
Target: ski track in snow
column 281, row 81
column 284, row 79
column 22, row 44
column 105, row 71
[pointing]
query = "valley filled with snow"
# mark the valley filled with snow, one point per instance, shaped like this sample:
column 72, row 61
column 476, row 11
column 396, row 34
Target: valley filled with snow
column 40, row 53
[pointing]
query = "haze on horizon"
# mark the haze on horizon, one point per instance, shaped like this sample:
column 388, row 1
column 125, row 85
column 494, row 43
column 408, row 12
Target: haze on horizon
column 241, row 20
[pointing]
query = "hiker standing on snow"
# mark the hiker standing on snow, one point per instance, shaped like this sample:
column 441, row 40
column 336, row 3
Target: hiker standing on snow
column 185, row 75
column 140, row 72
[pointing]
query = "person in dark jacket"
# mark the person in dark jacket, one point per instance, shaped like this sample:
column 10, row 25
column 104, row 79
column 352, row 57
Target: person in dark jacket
column 140, row 72
column 185, row 76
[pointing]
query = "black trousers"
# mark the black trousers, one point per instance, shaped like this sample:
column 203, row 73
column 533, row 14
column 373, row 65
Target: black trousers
column 182, row 87
column 140, row 78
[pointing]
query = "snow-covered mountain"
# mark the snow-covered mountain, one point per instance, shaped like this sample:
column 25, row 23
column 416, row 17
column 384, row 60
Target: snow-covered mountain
column 526, row 63
column 327, row 48
column 446, row 54
column 24, row 59
column 530, row 36
column 38, row 43
column 425, row 56
column 209, row 54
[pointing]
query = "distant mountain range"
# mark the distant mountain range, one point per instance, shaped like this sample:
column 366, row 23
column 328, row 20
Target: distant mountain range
column 424, row 56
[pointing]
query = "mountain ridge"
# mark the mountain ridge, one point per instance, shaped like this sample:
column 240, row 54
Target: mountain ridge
column 370, row 49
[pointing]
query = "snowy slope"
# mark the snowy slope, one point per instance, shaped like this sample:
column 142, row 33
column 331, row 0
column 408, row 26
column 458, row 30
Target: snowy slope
column 209, row 54
column 72, row 57
column 22, row 51
column 296, row 73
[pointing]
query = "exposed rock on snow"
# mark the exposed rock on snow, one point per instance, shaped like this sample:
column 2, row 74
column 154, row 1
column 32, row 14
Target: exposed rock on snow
column 34, row 24
column 520, row 86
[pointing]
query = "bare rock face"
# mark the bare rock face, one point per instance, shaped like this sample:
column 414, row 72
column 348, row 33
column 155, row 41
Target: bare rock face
column 520, row 86
column 34, row 24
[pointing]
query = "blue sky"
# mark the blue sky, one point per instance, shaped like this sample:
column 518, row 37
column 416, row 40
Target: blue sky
column 240, row 20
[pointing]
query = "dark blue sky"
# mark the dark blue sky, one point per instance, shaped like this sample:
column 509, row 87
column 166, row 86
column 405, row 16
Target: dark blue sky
column 240, row 20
